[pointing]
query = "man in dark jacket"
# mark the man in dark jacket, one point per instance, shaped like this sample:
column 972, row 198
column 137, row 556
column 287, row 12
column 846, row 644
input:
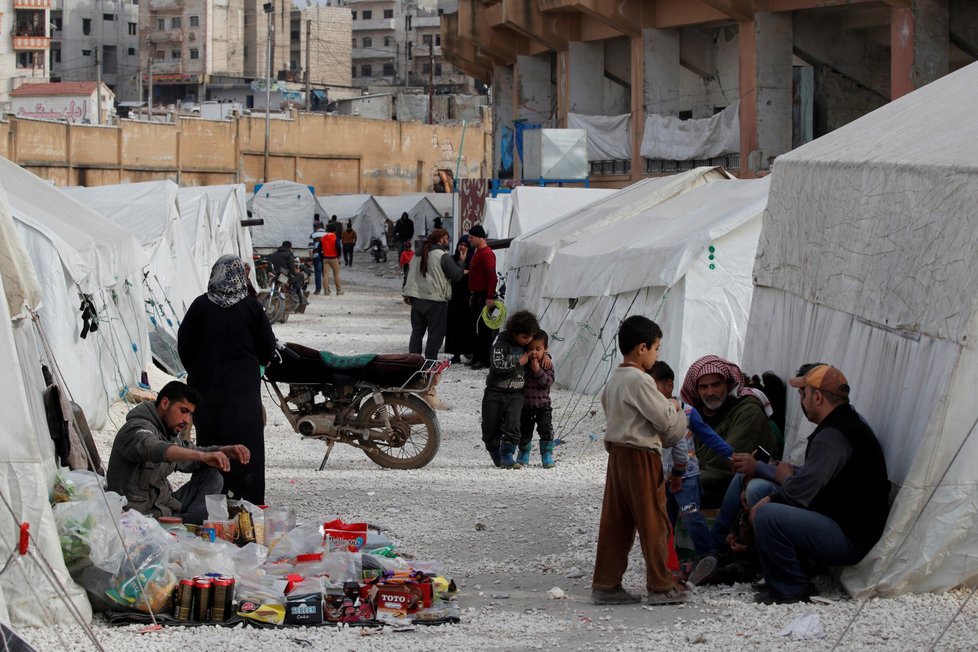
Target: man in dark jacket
column 403, row 231
column 148, row 448
column 833, row 508
column 283, row 262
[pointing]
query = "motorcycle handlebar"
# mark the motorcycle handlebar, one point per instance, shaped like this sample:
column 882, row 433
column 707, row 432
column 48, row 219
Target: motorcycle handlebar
column 281, row 346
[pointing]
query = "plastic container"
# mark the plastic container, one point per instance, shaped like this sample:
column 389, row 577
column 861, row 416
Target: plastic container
column 173, row 524
column 279, row 521
column 310, row 565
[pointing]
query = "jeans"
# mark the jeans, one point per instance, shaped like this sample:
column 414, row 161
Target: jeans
column 501, row 410
column 193, row 506
column 348, row 253
column 787, row 536
column 757, row 489
column 685, row 503
column 542, row 418
column 317, row 265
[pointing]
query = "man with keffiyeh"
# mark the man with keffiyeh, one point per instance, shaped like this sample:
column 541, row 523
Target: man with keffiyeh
column 718, row 389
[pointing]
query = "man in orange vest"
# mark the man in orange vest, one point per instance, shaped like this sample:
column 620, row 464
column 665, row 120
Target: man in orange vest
column 330, row 245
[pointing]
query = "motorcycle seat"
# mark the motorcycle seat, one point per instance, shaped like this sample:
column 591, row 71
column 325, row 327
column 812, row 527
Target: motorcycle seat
column 334, row 361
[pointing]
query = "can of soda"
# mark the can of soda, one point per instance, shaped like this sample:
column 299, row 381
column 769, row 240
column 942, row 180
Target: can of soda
column 185, row 600
column 223, row 594
column 203, row 587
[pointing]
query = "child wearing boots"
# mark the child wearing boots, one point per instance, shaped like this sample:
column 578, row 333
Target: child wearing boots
column 536, row 402
column 640, row 421
column 502, row 401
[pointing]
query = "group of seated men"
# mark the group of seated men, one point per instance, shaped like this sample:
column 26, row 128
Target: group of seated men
column 827, row 512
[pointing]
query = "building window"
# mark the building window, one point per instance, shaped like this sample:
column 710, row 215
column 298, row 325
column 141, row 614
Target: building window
column 160, row 24
column 56, row 23
column 55, row 55
column 159, row 55
column 437, row 40
column 354, row 72
column 426, row 39
column 86, row 26
column 86, row 53
column 195, row 21
column 132, row 52
column 175, row 22
column 410, row 50
column 354, row 15
column 194, row 53
column 110, row 17
column 367, row 42
column 438, row 70
column 388, row 40
column 366, row 70
column 132, row 29
column 174, row 54
column 407, row 22
column 388, row 13
column 388, row 70
column 425, row 68
column 354, row 42
column 367, row 14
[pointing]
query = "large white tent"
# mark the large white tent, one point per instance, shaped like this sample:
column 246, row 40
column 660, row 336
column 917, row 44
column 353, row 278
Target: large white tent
column 288, row 209
column 368, row 218
column 213, row 215
column 77, row 253
column 867, row 260
column 27, row 458
column 685, row 263
column 421, row 211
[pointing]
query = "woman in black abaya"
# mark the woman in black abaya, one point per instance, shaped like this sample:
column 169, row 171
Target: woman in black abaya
column 223, row 339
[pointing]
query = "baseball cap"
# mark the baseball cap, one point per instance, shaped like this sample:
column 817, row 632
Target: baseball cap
column 477, row 231
column 825, row 378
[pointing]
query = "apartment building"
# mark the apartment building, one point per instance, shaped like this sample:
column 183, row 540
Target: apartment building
column 86, row 33
column 320, row 43
column 25, row 45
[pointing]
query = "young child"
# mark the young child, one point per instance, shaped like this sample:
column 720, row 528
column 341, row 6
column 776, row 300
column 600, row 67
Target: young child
column 536, row 403
column 502, row 401
column 406, row 255
column 640, row 421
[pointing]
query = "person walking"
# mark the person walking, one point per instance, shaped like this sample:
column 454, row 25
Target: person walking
column 330, row 245
column 428, row 290
column 349, row 239
column 223, row 340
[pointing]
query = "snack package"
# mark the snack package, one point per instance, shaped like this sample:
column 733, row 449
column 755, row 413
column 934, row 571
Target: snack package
column 76, row 485
column 344, row 536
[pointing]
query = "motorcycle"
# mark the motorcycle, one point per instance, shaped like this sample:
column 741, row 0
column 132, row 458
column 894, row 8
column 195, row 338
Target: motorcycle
column 372, row 402
column 378, row 250
column 273, row 298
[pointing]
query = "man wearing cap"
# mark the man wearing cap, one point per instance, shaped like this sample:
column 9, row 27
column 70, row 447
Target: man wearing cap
column 832, row 509
column 482, row 285
column 718, row 389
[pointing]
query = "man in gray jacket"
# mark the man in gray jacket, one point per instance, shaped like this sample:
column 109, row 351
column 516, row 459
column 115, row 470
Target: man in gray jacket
column 148, row 448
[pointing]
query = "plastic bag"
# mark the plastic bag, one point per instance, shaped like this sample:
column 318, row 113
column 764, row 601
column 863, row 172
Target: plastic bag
column 260, row 590
column 217, row 507
column 248, row 558
column 191, row 556
column 279, row 521
column 343, row 566
column 76, row 485
column 344, row 536
column 88, row 534
column 302, row 540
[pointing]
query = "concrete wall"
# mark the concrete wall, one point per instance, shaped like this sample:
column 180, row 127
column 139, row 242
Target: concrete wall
column 336, row 154
column 710, row 77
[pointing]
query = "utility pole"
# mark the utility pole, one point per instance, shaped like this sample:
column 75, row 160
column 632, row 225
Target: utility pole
column 308, row 41
column 431, row 81
column 149, row 97
column 98, row 85
column 268, row 7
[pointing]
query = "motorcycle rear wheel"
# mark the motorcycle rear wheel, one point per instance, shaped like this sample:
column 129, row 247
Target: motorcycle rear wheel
column 274, row 306
column 416, row 432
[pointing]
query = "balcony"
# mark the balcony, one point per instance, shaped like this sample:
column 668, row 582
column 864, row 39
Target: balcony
column 421, row 22
column 375, row 25
column 165, row 5
column 32, row 4
column 374, row 52
column 32, row 43
column 170, row 36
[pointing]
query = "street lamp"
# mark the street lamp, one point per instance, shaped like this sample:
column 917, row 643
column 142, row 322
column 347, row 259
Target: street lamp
column 268, row 8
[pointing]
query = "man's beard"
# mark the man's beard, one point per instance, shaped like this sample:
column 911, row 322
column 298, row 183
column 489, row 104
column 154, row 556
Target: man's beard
column 714, row 403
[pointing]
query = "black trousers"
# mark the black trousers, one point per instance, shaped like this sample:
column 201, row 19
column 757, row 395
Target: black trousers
column 483, row 335
column 430, row 316
column 501, row 417
column 348, row 253
column 542, row 418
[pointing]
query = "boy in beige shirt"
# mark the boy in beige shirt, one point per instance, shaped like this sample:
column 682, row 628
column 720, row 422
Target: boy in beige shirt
column 640, row 421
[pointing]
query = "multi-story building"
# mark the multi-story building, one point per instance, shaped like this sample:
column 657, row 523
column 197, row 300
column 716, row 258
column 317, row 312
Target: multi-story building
column 25, row 45
column 85, row 33
column 379, row 55
column 320, row 43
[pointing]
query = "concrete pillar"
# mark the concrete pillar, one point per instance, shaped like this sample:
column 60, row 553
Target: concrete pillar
column 586, row 77
column 535, row 94
column 504, row 109
column 661, row 71
column 765, row 91
column 918, row 45
column 638, row 105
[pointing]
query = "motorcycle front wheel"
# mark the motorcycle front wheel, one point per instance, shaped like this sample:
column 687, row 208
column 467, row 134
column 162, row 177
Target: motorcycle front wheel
column 414, row 435
column 274, row 305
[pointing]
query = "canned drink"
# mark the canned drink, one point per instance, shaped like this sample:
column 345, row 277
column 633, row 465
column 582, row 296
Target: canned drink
column 223, row 594
column 185, row 600
column 203, row 587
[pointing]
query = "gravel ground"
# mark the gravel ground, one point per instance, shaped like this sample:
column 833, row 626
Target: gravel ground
column 540, row 528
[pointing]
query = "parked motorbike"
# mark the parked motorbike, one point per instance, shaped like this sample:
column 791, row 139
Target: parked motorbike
column 378, row 250
column 372, row 402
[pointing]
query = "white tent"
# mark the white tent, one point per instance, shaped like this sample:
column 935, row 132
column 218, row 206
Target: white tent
column 535, row 206
column 497, row 213
column 369, row 219
column 27, row 459
column 684, row 263
column 288, row 209
column 214, row 214
column 867, row 260
column 77, row 252
column 446, row 203
column 418, row 208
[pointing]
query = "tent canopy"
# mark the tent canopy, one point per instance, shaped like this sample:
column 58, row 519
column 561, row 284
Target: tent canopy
column 533, row 206
column 368, row 218
column 419, row 209
column 867, row 261
column 288, row 209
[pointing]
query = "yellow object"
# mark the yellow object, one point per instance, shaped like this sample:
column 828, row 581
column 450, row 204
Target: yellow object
column 273, row 614
column 495, row 322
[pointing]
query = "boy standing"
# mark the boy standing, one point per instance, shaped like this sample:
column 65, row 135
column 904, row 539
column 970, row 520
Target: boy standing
column 640, row 421
column 536, row 403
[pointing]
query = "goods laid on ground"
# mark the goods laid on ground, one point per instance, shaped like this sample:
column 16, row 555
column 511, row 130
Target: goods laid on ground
column 246, row 563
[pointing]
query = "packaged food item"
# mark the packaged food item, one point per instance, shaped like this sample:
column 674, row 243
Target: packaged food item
column 271, row 613
column 344, row 536
column 279, row 521
column 304, row 608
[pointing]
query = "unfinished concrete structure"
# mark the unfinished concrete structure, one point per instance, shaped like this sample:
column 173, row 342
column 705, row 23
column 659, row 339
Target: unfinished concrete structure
column 777, row 73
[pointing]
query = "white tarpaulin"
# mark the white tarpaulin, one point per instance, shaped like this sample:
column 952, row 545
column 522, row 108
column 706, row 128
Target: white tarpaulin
column 668, row 137
column 288, row 209
column 214, row 215
column 27, row 464
column 868, row 260
column 421, row 211
column 535, row 206
column 609, row 137
column 368, row 218
column 75, row 252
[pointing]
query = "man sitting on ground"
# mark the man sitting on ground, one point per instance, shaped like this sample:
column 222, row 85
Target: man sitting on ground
column 833, row 508
column 148, row 448
column 718, row 390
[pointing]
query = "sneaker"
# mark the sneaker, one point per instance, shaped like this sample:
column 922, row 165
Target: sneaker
column 704, row 569
column 661, row 598
column 317, row 292
column 339, row 292
column 614, row 596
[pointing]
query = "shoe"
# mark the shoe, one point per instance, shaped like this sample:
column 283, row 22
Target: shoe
column 317, row 292
column 524, row 457
column 614, row 596
column 494, row 454
column 661, row 598
column 326, row 293
column 769, row 597
column 506, row 459
column 547, row 454
column 456, row 359
column 431, row 398
column 704, row 569
column 339, row 292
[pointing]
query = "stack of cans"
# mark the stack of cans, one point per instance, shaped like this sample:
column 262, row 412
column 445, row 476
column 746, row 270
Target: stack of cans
column 205, row 598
